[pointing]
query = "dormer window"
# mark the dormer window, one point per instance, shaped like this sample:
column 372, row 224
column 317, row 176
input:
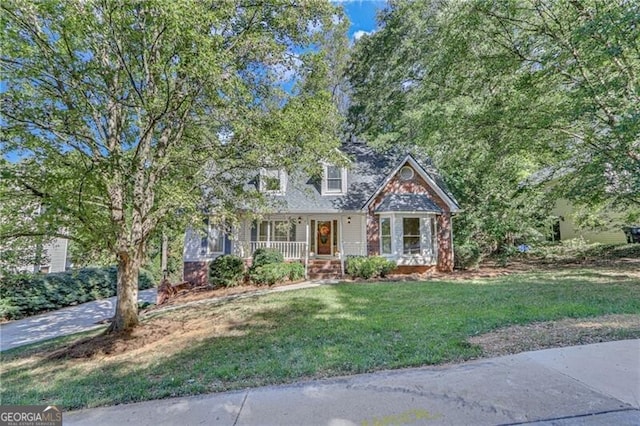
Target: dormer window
column 334, row 181
column 273, row 182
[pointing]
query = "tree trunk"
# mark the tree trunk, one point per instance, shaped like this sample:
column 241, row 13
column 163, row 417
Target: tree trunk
column 126, row 316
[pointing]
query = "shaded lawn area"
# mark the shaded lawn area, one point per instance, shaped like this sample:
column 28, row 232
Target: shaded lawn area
column 313, row 333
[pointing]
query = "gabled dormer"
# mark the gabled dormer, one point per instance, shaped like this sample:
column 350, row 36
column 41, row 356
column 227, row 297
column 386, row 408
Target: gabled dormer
column 334, row 180
column 273, row 181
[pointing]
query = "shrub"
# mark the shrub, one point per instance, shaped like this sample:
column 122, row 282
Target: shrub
column 264, row 256
column 226, row 270
column 296, row 271
column 369, row 267
column 467, row 255
column 382, row 266
column 354, row 265
column 273, row 273
column 270, row 273
column 28, row 294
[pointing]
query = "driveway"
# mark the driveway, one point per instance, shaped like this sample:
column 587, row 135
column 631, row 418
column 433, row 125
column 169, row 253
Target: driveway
column 65, row 321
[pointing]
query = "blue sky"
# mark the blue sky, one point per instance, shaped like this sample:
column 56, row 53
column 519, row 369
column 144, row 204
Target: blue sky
column 362, row 14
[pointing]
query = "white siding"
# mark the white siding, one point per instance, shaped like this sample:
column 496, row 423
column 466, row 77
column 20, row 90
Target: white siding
column 193, row 246
column 354, row 242
column 396, row 240
column 426, row 248
column 569, row 230
column 56, row 253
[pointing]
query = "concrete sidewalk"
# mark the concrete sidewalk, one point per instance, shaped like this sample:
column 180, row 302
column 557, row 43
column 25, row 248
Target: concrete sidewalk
column 583, row 385
column 74, row 319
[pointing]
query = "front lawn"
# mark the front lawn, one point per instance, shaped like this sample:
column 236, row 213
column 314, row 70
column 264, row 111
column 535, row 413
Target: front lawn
column 318, row 332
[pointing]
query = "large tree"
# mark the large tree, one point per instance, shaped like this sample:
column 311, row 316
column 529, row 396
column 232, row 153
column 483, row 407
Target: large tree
column 122, row 114
column 497, row 91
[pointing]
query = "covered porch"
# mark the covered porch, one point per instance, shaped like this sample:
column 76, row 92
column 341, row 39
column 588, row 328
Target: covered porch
column 305, row 237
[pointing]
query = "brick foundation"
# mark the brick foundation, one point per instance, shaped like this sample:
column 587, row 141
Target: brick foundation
column 413, row 269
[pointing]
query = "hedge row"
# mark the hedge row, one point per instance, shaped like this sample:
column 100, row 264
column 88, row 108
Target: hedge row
column 268, row 267
column 369, row 267
column 273, row 273
column 28, row 294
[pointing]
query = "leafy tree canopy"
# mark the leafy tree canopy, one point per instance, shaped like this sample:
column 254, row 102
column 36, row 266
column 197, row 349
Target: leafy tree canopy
column 123, row 112
column 497, row 92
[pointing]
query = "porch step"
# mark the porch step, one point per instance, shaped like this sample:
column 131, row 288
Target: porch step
column 324, row 276
column 324, row 269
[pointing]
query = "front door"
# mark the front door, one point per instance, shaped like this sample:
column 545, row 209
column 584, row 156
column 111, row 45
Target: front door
column 324, row 237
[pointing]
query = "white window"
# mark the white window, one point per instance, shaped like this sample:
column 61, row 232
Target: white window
column 385, row 235
column 334, row 181
column 410, row 235
column 273, row 181
column 213, row 241
column 276, row 230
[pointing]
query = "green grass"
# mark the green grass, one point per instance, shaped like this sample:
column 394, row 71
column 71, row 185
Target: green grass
column 318, row 332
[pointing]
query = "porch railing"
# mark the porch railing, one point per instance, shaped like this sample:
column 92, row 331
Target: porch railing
column 295, row 249
column 289, row 249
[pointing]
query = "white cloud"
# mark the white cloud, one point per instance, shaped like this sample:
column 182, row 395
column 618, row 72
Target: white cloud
column 358, row 34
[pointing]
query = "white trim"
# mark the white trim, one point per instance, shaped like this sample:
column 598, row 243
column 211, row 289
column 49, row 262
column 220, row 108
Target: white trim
column 272, row 228
column 390, row 218
column 281, row 175
column 324, row 190
column 397, row 239
column 207, row 252
column 453, row 207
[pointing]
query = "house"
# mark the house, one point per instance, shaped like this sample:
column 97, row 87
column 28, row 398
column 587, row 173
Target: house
column 53, row 257
column 566, row 228
column 612, row 227
column 394, row 206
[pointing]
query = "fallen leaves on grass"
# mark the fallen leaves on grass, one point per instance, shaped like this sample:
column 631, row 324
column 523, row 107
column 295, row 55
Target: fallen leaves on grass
column 553, row 334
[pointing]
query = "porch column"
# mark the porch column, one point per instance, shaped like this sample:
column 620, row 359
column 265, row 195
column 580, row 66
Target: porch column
column 341, row 245
column 307, row 248
column 268, row 233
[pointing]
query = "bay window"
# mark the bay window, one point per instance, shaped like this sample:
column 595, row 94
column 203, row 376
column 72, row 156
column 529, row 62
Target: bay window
column 410, row 235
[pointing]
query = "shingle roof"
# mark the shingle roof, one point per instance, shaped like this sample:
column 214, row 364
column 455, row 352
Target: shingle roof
column 407, row 203
column 367, row 172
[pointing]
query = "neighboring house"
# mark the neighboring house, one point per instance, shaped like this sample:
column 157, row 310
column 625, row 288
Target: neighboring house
column 566, row 228
column 380, row 205
column 53, row 255
column 564, row 213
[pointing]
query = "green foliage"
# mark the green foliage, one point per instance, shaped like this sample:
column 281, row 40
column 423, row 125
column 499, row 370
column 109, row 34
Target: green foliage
column 226, row 270
column 369, row 267
column 467, row 255
column 494, row 92
column 28, row 294
column 274, row 273
column 296, row 271
column 123, row 113
column 264, row 256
